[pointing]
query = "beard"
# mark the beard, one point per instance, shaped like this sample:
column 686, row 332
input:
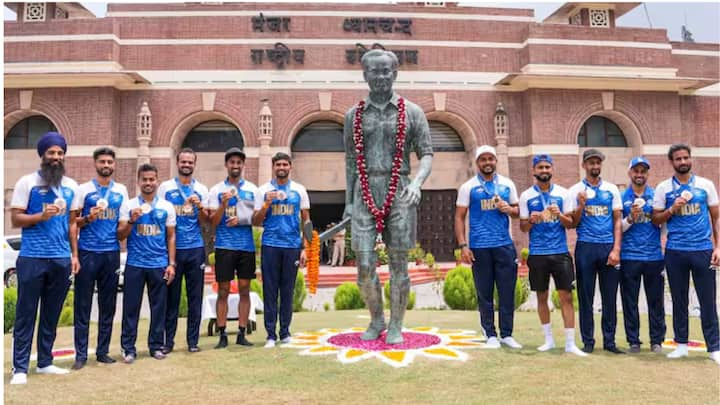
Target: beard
column 487, row 169
column 594, row 172
column 186, row 171
column 282, row 174
column 639, row 181
column 682, row 169
column 543, row 178
column 105, row 171
column 52, row 171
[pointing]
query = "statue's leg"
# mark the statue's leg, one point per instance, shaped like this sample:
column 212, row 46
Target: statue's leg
column 371, row 291
column 399, row 291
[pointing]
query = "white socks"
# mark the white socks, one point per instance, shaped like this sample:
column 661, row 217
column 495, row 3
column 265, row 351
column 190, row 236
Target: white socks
column 549, row 341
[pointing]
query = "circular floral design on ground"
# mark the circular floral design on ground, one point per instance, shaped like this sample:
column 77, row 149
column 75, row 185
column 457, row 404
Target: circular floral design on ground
column 346, row 345
column 411, row 340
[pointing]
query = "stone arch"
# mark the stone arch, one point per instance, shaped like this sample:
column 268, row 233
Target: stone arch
column 47, row 110
column 194, row 119
column 631, row 130
column 330, row 115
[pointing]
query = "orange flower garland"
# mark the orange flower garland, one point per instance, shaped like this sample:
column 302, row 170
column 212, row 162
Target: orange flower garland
column 313, row 263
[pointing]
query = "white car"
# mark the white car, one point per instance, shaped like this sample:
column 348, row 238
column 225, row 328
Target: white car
column 11, row 250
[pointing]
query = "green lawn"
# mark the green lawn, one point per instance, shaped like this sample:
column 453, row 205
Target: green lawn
column 257, row 375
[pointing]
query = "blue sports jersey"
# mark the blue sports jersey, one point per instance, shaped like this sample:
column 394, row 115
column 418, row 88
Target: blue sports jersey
column 46, row 239
column 641, row 241
column 547, row 237
column 282, row 221
column 690, row 229
column 101, row 234
column 238, row 237
column 188, row 234
column 488, row 226
column 596, row 223
column 147, row 243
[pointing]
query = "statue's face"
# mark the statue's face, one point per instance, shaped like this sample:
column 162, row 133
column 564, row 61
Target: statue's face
column 380, row 74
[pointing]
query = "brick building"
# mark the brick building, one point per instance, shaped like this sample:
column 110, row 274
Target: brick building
column 148, row 79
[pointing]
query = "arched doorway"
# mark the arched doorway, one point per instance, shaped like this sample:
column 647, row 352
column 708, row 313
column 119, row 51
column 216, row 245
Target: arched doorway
column 26, row 133
column 602, row 133
column 210, row 139
column 319, row 164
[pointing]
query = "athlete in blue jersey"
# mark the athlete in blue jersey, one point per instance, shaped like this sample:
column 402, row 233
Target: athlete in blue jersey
column 148, row 224
column 44, row 204
column 101, row 199
column 545, row 213
column 281, row 206
column 490, row 200
column 231, row 205
column 598, row 217
column 689, row 205
column 189, row 197
column 641, row 258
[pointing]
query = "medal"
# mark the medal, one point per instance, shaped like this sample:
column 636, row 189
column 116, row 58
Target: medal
column 281, row 195
column 102, row 203
column 145, row 208
column 60, row 203
column 687, row 195
column 589, row 193
column 546, row 215
column 187, row 209
column 639, row 202
column 233, row 191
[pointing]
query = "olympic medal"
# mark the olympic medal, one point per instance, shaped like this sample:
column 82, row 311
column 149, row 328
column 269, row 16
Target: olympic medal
column 187, row 209
column 546, row 215
column 102, row 203
column 687, row 195
column 145, row 208
column 233, row 191
column 640, row 202
column 590, row 193
column 60, row 203
column 281, row 195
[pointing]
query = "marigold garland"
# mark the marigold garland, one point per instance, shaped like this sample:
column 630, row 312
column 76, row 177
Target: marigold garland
column 313, row 263
column 379, row 213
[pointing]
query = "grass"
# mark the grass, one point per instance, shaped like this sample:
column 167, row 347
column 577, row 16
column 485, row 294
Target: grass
column 257, row 375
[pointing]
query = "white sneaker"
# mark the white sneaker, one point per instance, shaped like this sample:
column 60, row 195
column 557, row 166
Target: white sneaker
column 269, row 344
column 492, row 343
column 510, row 342
column 52, row 369
column 547, row 346
column 18, row 378
column 286, row 340
column 681, row 351
column 715, row 356
column 575, row 350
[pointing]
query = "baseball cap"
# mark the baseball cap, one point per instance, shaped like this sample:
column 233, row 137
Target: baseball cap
column 591, row 153
column 542, row 158
column 639, row 160
column 234, row 151
column 485, row 149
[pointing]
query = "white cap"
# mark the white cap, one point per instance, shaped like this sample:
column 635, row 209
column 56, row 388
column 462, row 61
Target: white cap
column 485, row 149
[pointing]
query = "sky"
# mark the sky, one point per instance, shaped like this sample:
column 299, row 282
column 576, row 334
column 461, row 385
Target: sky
column 702, row 19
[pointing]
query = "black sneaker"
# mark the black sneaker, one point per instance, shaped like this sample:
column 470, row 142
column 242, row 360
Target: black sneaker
column 222, row 343
column 193, row 349
column 588, row 348
column 614, row 349
column 79, row 364
column 104, row 358
column 240, row 340
column 634, row 349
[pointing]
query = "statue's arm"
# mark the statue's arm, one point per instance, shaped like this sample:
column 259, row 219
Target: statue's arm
column 423, row 148
column 350, row 164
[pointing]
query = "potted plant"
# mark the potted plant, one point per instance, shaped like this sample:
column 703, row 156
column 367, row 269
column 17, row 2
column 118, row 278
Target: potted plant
column 523, row 267
column 458, row 255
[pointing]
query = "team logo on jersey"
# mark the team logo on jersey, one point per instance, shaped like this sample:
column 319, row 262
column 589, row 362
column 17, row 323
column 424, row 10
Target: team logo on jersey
column 535, row 203
column 597, row 210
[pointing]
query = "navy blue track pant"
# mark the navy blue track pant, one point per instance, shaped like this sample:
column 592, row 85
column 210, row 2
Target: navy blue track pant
column 495, row 267
column 44, row 282
column 591, row 261
column 279, row 271
column 135, row 280
column 189, row 265
column 632, row 271
column 95, row 268
column 679, row 265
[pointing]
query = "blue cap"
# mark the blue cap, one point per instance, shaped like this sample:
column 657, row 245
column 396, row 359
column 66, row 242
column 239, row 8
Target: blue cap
column 542, row 158
column 639, row 160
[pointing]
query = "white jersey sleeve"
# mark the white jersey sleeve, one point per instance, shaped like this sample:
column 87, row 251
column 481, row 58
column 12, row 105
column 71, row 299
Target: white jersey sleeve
column 513, row 193
column 659, row 198
column 21, row 193
column 463, row 197
column 523, row 203
column 617, row 200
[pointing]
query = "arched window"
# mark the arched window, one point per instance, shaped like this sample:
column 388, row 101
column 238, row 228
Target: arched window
column 213, row 136
column 444, row 138
column 319, row 136
column 600, row 132
column 26, row 133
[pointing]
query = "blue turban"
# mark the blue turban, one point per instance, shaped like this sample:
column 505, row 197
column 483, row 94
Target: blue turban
column 542, row 158
column 49, row 140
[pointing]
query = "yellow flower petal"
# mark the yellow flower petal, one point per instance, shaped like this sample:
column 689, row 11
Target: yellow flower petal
column 323, row 349
column 352, row 353
column 440, row 351
column 465, row 344
column 396, row 356
column 460, row 337
column 449, row 331
column 423, row 328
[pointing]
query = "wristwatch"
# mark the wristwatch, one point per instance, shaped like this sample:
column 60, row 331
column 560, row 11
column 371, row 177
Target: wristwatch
column 462, row 245
column 173, row 264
